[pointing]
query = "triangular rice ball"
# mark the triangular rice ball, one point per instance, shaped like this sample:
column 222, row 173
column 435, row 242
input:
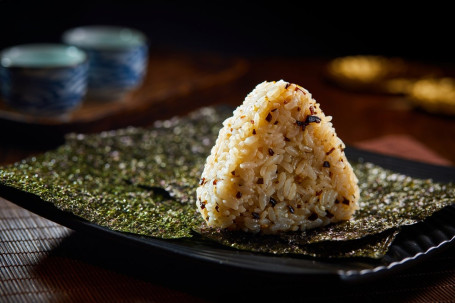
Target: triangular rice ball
column 277, row 165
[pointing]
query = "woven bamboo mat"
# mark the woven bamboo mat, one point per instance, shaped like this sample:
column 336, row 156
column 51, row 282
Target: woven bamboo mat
column 41, row 261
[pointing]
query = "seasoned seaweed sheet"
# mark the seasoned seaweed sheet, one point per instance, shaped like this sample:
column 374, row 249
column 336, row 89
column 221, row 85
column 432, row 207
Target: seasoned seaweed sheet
column 143, row 181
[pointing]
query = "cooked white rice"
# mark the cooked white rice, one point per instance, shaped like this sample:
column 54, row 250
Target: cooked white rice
column 277, row 165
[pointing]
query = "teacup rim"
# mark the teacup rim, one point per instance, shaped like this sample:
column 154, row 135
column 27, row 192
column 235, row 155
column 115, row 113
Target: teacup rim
column 144, row 40
column 13, row 66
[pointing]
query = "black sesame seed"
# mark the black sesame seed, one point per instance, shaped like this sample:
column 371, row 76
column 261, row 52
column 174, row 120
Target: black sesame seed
column 238, row 195
column 271, row 152
column 312, row 119
column 300, row 123
column 272, row 201
column 326, row 164
column 255, row 215
column 313, row 217
column 291, row 209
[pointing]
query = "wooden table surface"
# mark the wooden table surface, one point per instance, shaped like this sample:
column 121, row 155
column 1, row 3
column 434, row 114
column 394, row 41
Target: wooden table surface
column 43, row 261
column 356, row 116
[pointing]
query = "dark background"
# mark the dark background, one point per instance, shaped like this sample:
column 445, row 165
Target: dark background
column 242, row 28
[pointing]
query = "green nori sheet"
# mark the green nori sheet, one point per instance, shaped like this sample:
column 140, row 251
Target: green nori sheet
column 144, row 180
column 372, row 246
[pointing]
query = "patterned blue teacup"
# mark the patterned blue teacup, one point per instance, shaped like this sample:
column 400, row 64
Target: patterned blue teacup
column 117, row 56
column 43, row 79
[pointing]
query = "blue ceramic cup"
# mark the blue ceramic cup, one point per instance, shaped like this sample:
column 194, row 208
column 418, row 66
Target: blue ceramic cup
column 117, row 58
column 43, row 79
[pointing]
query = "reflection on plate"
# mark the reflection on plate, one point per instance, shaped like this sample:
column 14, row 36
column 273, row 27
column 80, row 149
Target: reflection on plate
column 413, row 243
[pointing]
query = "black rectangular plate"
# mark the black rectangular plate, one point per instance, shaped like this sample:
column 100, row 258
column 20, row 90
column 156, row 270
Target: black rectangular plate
column 413, row 244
